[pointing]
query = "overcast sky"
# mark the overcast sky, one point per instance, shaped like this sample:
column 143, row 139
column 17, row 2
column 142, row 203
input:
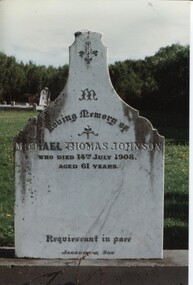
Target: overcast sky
column 42, row 30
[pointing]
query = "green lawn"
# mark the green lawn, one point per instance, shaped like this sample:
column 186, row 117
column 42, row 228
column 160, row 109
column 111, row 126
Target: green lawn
column 11, row 123
column 176, row 178
column 176, row 197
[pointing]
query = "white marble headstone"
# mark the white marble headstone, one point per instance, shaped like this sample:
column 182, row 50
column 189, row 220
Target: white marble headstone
column 89, row 171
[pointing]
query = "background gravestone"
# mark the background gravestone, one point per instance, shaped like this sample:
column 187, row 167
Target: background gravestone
column 44, row 97
column 89, row 171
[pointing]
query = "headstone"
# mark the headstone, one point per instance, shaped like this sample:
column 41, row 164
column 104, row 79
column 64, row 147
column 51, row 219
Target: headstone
column 44, row 97
column 89, row 171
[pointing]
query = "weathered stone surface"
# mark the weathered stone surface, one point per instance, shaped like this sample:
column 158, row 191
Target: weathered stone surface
column 89, row 171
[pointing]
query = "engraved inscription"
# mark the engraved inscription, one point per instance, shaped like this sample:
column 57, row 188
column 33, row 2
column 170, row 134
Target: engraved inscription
column 86, row 114
column 90, row 240
column 124, row 151
column 109, row 119
column 90, row 146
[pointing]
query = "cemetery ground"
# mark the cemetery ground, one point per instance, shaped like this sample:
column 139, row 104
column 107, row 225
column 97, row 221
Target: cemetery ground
column 172, row 126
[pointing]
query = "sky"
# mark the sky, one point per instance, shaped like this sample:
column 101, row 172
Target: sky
column 43, row 30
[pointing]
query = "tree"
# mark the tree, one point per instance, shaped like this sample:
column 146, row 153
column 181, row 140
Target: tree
column 157, row 82
column 12, row 78
column 3, row 59
column 126, row 81
column 170, row 67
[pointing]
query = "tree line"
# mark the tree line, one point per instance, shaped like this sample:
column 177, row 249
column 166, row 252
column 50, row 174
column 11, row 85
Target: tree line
column 159, row 82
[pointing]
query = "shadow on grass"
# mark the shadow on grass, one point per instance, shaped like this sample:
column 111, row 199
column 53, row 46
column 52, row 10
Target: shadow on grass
column 176, row 217
column 176, row 206
column 176, row 237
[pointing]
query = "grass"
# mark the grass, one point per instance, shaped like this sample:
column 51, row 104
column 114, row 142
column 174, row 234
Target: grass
column 176, row 197
column 176, row 176
column 175, row 128
column 11, row 123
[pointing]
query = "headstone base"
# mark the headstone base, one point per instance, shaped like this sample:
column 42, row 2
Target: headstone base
column 171, row 270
